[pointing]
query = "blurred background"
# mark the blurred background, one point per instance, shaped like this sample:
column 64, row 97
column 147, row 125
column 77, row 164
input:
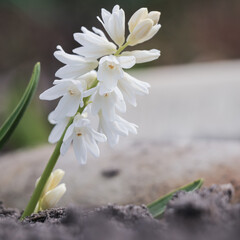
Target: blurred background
column 192, row 32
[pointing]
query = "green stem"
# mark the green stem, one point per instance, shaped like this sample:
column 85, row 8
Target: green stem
column 121, row 49
column 46, row 173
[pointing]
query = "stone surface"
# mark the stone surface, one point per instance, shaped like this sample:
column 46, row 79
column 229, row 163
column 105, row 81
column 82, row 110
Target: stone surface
column 187, row 127
column 143, row 170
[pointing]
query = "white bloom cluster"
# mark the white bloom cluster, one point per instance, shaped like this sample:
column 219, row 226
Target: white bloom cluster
column 93, row 80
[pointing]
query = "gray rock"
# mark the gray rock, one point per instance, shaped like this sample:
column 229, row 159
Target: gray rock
column 135, row 172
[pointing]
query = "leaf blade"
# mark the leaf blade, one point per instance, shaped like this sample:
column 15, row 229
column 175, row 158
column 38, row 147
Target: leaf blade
column 12, row 121
column 158, row 207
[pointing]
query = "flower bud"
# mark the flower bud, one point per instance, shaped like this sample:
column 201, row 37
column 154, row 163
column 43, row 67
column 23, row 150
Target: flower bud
column 143, row 26
column 52, row 192
column 52, row 197
column 155, row 16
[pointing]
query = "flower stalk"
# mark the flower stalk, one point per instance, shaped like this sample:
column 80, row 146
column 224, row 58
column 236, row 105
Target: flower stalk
column 44, row 178
column 121, row 48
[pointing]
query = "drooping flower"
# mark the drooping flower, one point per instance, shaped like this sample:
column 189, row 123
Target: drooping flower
column 83, row 137
column 114, row 24
column 143, row 26
column 52, row 191
column 111, row 70
column 130, row 87
column 108, row 103
column 115, row 128
column 94, row 44
column 75, row 65
column 72, row 92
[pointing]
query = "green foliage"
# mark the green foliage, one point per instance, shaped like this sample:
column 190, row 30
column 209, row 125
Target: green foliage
column 13, row 120
column 157, row 208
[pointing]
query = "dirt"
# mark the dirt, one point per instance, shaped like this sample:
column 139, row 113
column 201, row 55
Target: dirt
column 204, row 214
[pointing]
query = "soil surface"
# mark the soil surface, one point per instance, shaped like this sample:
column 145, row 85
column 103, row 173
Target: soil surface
column 204, row 214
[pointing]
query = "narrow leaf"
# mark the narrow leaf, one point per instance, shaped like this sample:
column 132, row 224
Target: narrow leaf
column 12, row 121
column 158, row 207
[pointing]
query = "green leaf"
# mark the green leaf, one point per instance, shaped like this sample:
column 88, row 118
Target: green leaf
column 11, row 123
column 158, row 207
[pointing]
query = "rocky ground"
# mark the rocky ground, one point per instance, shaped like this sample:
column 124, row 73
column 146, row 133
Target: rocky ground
column 204, row 214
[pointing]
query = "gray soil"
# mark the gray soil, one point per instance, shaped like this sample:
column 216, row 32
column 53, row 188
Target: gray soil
column 204, row 214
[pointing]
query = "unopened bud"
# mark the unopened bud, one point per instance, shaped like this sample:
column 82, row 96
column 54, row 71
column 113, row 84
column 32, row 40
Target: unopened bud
column 140, row 32
column 143, row 26
column 51, row 198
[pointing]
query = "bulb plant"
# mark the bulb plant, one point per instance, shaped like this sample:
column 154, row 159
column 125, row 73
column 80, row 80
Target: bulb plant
column 94, row 81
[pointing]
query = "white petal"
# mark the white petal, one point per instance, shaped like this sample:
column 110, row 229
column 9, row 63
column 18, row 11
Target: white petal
column 126, row 126
column 94, row 46
column 106, row 127
column 143, row 56
column 138, row 35
column 127, row 61
column 57, row 131
column 155, row 16
column 69, row 59
column 99, row 32
column 69, row 133
column 73, row 71
column 120, row 103
column 98, row 136
column 54, row 92
column 80, row 149
column 137, row 17
column 151, row 33
column 66, row 105
column 92, row 146
column 130, row 87
column 58, row 175
column 65, row 145
column 114, row 24
column 108, row 74
column 52, row 197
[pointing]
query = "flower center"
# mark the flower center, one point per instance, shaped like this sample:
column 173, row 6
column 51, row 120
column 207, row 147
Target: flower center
column 79, row 134
column 106, row 95
column 73, row 91
column 111, row 66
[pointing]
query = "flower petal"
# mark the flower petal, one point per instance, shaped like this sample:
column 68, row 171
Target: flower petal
column 80, row 149
column 143, row 56
column 54, row 92
column 137, row 17
column 127, row 61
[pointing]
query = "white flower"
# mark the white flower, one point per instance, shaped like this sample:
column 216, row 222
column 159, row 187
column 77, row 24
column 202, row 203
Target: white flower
column 143, row 56
column 72, row 93
column 143, row 26
column 75, row 65
column 114, row 24
column 130, row 87
column 110, row 71
column 94, row 45
column 58, row 129
column 114, row 129
column 108, row 103
column 83, row 137
column 52, row 192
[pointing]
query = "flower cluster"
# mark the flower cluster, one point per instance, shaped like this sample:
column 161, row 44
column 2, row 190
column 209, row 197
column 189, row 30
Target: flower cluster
column 94, row 81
